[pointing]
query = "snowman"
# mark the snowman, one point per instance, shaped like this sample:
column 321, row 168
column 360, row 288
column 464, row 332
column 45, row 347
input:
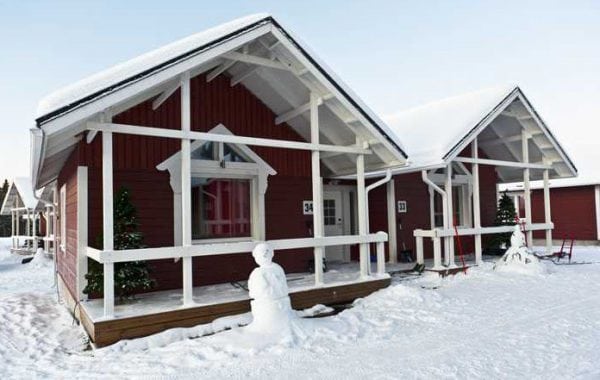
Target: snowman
column 267, row 286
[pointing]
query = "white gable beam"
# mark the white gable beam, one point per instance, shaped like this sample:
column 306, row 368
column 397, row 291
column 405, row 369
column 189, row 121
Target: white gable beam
column 164, row 96
column 299, row 110
column 243, row 75
column 219, row 70
column 255, row 60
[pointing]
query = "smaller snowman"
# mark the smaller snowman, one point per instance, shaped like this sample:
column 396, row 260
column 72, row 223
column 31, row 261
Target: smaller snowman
column 267, row 285
column 517, row 257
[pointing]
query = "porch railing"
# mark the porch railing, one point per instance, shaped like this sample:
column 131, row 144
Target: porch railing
column 108, row 258
column 437, row 234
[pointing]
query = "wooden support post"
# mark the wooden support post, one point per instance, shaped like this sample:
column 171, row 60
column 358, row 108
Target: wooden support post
column 317, row 187
column 392, row 222
column 380, row 257
column 107, row 222
column 547, row 211
column 476, row 202
column 431, row 207
column 419, row 247
column 527, row 188
column 437, row 254
column 12, row 227
column 362, row 213
column 186, row 189
column 450, row 217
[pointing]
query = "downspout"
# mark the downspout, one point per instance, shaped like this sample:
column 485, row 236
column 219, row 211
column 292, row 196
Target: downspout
column 384, row 180
column 438, row 190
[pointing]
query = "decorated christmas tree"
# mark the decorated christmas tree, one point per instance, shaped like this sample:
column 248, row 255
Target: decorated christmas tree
column 130, row 276
column 505, row 216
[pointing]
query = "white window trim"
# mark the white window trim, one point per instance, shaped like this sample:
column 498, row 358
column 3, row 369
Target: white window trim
column 257, row 170
column 63, row 218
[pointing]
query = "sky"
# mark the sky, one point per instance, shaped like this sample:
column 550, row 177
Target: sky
column 393, row 54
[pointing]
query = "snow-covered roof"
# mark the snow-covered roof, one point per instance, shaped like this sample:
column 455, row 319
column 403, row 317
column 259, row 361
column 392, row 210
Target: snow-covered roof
column 111, row 77
column 430, row 131
column 20, row 194
column 62, row 115
column 437, row 132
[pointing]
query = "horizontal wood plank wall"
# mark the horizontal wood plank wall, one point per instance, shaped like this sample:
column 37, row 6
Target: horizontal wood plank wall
column 66, row 262
column 136, row 157
column 107, row 332
column 573, row 212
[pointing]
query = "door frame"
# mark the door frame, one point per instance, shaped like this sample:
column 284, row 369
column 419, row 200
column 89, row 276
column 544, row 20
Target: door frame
column 347, row 210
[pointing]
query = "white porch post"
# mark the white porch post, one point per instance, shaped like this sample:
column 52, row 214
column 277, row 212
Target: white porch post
column 527, row 188
column 186, row 188
column 450, row 217
column 34, row 230
column 107, row 221
column 392, row 223
column 437, row 253
column 47, row 232
column 317, row 187
column 28, row 228
column 362, row 212
column 431, row 207
column 547, row 211
column 476, row 201
column 419, row 248
column 12, row 227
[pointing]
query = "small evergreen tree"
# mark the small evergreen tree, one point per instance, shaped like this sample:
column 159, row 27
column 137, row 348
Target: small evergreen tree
column 505, row 216
column 129, row 276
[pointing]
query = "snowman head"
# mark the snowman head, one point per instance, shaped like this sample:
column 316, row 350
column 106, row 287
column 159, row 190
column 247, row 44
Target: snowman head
column 263, row 254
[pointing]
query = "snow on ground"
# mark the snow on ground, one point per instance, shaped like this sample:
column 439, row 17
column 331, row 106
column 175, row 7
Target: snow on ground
column 483, row 324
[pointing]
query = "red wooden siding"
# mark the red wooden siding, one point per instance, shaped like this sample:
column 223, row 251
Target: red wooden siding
column 410, row 188
column 135, row 159
column 573, row 211
column 66, row 262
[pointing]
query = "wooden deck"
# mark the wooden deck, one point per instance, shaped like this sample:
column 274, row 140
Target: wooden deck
column 103, row 333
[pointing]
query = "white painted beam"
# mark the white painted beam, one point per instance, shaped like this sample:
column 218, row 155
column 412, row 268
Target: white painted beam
column 298, row 111
column 476, row 201
column 547, row 211
column 392, row 222
column 317, row 188
column 449, row 213
column 219, row 70
column 512, row 164
column 255, row 60
column 229, row 139
column 527, row 187
column 166, row 94
column 186, row 188
column 243, row 75
column 107, row 221
column 362, row 213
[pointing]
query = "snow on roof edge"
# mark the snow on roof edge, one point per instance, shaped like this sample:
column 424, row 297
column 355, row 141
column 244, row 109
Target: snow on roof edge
column 111, row 76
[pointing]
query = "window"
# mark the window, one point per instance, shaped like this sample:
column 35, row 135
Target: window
column 63, row 218
column 220, row 208
column 329, row 212
column 457, row 207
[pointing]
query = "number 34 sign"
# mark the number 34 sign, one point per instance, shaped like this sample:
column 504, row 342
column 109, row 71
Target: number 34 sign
column 307, row 207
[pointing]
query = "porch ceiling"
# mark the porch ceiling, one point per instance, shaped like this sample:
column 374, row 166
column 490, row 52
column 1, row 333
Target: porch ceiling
column 255, row 52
